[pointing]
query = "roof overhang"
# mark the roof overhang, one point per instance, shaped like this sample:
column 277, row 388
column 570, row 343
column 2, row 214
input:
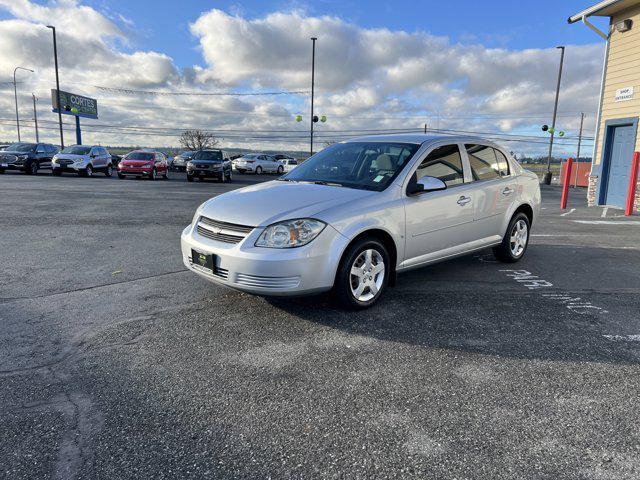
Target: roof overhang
column 604, row 9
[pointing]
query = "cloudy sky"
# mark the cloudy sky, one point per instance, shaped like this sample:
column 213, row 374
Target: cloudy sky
column 158, row 68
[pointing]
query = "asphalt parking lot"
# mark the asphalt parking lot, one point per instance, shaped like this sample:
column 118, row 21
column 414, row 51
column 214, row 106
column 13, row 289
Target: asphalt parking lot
column 115, row 362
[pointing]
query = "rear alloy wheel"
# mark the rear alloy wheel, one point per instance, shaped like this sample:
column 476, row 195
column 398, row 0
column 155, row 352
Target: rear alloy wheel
column 515, row 241
column 258, row 170
column 363, row 274
column 108, row 171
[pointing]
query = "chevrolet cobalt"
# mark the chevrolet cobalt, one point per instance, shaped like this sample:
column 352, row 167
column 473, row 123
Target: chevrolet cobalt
column 354, row 215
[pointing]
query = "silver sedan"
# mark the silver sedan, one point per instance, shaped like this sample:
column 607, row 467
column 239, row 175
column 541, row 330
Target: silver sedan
column 357, row 213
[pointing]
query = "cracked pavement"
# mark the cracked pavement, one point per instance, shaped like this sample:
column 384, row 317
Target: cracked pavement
column 117, row 363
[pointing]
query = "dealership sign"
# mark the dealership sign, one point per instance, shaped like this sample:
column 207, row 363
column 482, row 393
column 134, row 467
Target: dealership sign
column 74, row 104
column 624, row 94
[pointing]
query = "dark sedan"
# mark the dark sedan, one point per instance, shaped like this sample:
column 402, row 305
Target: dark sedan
column 210, row 164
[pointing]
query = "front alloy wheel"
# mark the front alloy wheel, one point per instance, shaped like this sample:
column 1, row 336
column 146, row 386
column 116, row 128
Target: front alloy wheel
column 88, row 172
column 363, row 274
column 109, row 171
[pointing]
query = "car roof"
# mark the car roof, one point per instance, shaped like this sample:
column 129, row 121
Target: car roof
column 419, row 138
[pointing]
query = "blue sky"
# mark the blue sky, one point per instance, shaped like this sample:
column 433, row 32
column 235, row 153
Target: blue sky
column 497, row 23
column 485, row 67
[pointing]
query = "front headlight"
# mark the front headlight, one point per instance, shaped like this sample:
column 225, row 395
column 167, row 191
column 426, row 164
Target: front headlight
column 290, row 233
column 189, row 165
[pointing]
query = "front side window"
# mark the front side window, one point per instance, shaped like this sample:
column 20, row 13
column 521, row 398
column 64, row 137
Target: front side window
column 444, row 163
column 362, row 165
column 483, row 161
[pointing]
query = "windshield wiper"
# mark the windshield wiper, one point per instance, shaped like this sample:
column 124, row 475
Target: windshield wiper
column 331, row 184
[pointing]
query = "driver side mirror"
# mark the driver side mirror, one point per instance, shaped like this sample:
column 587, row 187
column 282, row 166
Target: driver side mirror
column 426, row 184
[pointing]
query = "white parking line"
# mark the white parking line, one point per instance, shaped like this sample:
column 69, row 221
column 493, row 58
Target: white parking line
column 604, row 212
column 607, row 222
column 623, row 338
column 567, row 213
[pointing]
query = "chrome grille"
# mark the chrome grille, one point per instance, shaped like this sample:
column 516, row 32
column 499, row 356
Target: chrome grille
column 267, row 282
column 222, row 231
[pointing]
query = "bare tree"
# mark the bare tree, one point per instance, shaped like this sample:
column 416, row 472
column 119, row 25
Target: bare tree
column 196, row 140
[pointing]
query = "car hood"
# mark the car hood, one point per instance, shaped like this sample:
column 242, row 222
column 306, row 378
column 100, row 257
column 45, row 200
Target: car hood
column 270, row 202
column 70, row 156
column 13, row 152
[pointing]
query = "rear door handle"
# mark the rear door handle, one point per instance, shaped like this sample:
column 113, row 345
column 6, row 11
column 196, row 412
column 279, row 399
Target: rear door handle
column 507, row 191
column 463, row 200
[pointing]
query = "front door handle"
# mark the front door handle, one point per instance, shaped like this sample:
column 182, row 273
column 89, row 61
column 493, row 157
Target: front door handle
column 463, row 200
column 507, row 191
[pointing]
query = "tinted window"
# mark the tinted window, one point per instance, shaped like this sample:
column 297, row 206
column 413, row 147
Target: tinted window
column 484, row 163
column 293, row 162
column 139, row 156
column 22, row 147
column 444, row 163
column 208, row 155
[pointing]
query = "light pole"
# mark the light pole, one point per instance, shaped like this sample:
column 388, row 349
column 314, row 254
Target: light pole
column 35, row 116
column 15, row 94
column 55, row 57
column 313, row 80
column 547, row 175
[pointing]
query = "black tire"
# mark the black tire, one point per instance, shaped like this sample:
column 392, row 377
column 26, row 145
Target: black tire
column 509, row 251
column 152, row 177
column 166, row 175
column 88, row 172
column 56, row 172
column 280, row 170
column 32, row 168
column 189, row 178
column 121, row 176
column 344, row 281
column 229, row 177
column 258, row 170
column 108, row 172
column 1, row 171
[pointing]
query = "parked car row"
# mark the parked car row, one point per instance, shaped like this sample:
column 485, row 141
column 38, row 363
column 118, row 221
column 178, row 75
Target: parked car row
column 85, row 160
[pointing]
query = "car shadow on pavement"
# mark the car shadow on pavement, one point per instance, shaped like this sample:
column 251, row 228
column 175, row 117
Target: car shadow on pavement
column 467, row 305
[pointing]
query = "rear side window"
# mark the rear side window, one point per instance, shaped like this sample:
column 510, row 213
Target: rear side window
column 444, row 163
column 503, row 165
column 484, row 162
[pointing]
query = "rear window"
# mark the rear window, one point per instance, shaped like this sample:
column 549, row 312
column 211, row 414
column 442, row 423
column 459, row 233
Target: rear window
column 139, row 156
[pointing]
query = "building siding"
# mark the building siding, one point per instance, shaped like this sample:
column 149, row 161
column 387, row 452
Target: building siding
column 623, row 70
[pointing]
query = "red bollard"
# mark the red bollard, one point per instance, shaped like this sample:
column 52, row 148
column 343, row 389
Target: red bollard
column 633, row 182
column 565, row 185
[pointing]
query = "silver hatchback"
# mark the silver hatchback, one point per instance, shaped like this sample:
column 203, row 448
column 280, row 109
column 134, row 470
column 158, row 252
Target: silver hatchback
column 357, row 213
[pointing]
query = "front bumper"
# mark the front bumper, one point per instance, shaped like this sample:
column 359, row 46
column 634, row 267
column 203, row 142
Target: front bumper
column 11, row 166
column 196, row 172
column 138, row 172
column 69, row 168
column 268, row 271
column 244, row 168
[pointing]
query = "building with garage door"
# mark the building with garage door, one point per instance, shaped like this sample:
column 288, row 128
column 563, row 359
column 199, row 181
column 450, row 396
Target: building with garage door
column 617, row 125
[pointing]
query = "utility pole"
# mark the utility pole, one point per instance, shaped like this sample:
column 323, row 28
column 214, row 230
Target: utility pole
column 547, row 175
column 313, row 80
column 55, row 57
column 575, row 184
column 15, row 94
column 35, row 117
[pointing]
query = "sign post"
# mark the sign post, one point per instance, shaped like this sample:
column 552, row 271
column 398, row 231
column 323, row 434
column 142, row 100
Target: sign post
column 76, row 105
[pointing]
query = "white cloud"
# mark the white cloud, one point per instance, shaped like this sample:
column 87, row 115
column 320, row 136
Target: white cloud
column 365, row 78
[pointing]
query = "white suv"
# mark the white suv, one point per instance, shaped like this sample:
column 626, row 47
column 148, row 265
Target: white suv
column 84, row 160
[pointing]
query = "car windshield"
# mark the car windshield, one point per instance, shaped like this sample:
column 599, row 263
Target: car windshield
column 139, row 156
column 362, row 165
column 215, row 155
column 77, row 150
column 185, row 154
column 22, row 147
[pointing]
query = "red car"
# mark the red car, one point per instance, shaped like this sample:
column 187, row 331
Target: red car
column 143, row 163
